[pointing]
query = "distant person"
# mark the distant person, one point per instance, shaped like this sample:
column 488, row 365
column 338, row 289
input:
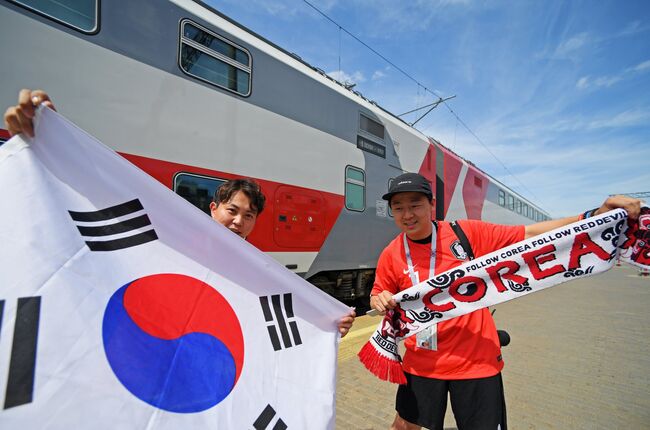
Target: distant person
column 461, row 357
column 236, row 204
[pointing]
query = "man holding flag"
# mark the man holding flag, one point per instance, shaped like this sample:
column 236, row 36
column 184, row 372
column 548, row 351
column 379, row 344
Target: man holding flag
column 460, row 356
column 122, row 307
column 236, row 203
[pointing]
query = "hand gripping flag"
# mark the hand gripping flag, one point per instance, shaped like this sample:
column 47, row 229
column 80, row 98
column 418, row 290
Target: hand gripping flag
column 584, row 248
column 122, row 306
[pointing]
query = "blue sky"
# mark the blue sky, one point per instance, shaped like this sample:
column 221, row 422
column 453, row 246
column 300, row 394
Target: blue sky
column 559, row 91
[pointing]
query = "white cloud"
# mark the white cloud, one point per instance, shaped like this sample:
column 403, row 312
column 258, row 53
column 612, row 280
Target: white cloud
column 606, row 81
column 633, row 28
column 642, row 67
column 570, row 46
column 415, row 15
column 583, row 83
column 629, row 118
column 587, row 82
column 377, row 75
column 341, row 76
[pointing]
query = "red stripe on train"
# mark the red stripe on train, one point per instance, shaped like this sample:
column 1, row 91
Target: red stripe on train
column 452, row 168
column 295, row 219
column 474, row 187
column 474, row 192
column 428, row 167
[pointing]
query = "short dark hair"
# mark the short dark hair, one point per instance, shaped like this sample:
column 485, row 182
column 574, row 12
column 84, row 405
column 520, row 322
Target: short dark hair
column 249, row 187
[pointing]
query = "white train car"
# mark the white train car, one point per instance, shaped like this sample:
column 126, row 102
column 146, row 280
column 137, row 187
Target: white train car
column 194, row 98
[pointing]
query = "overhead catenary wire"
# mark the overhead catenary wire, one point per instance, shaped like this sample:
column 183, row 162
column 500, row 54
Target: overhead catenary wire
column 341, row 28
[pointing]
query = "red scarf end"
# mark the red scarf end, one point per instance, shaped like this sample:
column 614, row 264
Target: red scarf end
column 381, row 366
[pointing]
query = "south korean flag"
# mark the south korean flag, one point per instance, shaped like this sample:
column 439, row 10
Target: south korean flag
column 124, row 307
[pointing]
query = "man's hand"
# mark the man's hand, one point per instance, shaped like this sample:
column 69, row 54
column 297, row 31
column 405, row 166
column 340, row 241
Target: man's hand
column 382, row 302
column 20, row 118
column 631, row 205
column 346, row 322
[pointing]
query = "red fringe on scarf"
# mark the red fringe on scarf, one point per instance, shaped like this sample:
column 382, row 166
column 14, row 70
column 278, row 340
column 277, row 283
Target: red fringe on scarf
column 381, row 366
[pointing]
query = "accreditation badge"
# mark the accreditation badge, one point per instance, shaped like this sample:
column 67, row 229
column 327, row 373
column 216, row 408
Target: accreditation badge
column 428, row 338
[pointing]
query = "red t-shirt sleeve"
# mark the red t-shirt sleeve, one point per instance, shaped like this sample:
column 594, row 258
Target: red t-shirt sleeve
column 384, row 275
column 486, row 237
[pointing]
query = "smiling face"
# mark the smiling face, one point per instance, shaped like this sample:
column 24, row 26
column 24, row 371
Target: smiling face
column 412, row 212
column 236, row 214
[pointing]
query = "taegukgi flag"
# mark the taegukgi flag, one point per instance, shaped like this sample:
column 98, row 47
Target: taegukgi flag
column 124, row 307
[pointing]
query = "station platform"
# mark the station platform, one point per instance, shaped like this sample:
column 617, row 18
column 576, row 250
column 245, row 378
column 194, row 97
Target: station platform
column 579, row 358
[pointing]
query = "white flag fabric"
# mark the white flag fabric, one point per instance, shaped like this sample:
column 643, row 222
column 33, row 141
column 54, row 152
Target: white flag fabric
column 122, row 306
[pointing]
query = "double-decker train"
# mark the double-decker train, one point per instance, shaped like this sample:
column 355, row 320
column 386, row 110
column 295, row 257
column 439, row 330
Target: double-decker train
column 194, row 98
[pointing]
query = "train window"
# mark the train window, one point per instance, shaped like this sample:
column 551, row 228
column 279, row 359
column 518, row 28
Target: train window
column 533, row 214
column 355, row 189
column 502, row 198
column 518, row 206
column 511, row 202
column 370, row 126
column 78, row 14
column 525, row 210
column 213, row 59
column 197, row 189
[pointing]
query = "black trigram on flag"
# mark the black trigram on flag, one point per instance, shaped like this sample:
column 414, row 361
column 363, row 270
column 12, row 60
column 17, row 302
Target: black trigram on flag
column 264, row 420
column 118, row 227
column 22, row 363
column 280, row 319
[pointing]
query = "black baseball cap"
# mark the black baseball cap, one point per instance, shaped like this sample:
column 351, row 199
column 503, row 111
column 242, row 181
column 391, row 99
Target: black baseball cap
column 409, row 182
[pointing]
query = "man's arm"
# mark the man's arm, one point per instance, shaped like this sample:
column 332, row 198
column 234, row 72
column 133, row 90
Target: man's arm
column 632, row 206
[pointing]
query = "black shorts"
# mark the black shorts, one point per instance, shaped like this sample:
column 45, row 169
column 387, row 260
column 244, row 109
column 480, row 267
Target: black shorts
column 477, row 403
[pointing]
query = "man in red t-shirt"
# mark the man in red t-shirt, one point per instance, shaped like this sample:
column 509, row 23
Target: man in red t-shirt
column 460, row 356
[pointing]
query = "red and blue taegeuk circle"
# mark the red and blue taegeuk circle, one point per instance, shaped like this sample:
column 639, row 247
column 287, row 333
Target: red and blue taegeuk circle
column 174, row 342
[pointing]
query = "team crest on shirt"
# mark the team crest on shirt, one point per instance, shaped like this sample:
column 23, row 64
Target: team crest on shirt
column 458, row 251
